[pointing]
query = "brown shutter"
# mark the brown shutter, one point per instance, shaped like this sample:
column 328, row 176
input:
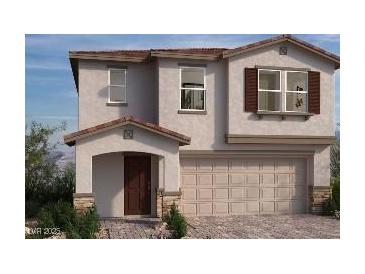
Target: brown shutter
column 314, row 94
column 251, row 89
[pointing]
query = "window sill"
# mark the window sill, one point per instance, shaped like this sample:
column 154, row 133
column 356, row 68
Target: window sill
column 117, row 104
column 199, row 112
column 283, row 115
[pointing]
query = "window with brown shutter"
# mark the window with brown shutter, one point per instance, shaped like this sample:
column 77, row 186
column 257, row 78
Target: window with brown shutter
column 251, row 89
column 314, row 83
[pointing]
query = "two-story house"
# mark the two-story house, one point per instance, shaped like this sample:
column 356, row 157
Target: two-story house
column 219, row 131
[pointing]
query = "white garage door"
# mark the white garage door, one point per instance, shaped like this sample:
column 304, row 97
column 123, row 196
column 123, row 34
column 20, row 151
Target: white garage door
column 237, row 186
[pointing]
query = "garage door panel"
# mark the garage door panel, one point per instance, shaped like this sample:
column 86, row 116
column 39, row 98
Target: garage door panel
column 205, row 209
column 220, row 193
column 220, row 208
column 253, row 207
column 205, row 165
column 189, row 209
column 240, row 186
column 252, row 192
column 205, row 194
column 237, row 208
column 237, row 193
column 205, row 179
column 268, row 179
column 268, row 193
column 252, row 165
column 188, row 164
column 220, row 179
column 188, row 180
column 236, row 165
column 237, row 179
column 221, row 165
column 189, row 194
column 282, row 193
column 268, row 165
column 283, row 179
column 267, row 207
column 253, row 179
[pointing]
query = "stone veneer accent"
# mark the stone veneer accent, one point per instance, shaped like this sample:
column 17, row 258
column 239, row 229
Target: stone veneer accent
column 317, row 196
column 83, row 201
column 165, row 200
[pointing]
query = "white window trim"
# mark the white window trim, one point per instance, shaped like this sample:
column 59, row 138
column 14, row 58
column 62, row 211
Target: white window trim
column 294, row 91
column 203, row 89
column 268, row 90
column 125, row 85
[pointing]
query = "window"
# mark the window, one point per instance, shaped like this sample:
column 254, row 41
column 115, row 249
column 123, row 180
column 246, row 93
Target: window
column 269, row 89
column 117, row 86
column 296, row 93
column 192, row 88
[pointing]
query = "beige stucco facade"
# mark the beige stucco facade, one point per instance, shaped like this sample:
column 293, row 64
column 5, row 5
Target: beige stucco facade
column 153, row 94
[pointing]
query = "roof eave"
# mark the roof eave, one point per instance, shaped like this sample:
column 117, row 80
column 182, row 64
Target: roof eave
column 184, row 56
column 70, row 139
column 283, row 38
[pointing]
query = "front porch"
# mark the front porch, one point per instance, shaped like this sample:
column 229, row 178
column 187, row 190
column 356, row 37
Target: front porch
column 127, row 167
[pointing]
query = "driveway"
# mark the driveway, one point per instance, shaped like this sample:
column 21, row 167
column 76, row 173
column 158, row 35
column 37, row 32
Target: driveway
column 233, row 227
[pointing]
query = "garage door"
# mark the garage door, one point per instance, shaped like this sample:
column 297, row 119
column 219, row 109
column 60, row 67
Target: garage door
column 237, row 186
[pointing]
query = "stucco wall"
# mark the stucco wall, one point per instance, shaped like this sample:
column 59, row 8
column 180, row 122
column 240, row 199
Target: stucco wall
column 112, row 141
column 206, row 131
column 241, row 122
column 93, row 93
column 108, row 184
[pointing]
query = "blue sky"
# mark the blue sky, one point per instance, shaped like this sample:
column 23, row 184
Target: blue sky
column 50, row 94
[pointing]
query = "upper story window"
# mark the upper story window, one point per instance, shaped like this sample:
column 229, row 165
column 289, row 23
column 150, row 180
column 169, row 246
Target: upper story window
column 296, row 93
column 293, row 97
column 269, row 91
column 192, row 88
column 117, row 86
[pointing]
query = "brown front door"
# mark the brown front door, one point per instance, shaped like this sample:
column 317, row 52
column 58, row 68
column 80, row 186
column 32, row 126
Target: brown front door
column 137, row 185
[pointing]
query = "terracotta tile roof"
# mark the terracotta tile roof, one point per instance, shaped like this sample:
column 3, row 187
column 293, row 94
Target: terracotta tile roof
column 194, row 51
column 281, row 38
column 143, row 55
column 71, row 138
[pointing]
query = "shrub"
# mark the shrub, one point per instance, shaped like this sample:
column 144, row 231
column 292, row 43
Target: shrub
column 175, row 222
column 336, row 192
column 331, row 206
column 63, row 216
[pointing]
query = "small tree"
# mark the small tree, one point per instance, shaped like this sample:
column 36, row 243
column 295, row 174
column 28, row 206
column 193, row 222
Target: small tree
column 176, row 222
column 335, row 159
column 44, row 181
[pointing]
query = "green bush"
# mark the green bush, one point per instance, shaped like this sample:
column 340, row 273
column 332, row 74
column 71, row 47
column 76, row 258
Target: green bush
column 86, row 226
column 63, row 216
column 336, row 192
column 331, row 206
column 176, row 222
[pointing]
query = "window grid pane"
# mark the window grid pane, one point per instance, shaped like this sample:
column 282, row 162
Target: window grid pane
column 192, row 99
column 117, row 77
column 269, row 80
column 269, row 101
column 117, row 94
column 296, row 81
column 297, row 102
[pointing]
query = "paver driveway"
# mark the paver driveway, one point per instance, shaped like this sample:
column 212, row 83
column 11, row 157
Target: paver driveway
column 265, row 227
column 234, row 227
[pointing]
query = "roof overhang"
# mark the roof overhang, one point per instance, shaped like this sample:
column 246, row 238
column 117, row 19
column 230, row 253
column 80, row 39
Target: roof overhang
column 279, row 139
column 284, row 38
column 165, row 54
column 71, row 139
